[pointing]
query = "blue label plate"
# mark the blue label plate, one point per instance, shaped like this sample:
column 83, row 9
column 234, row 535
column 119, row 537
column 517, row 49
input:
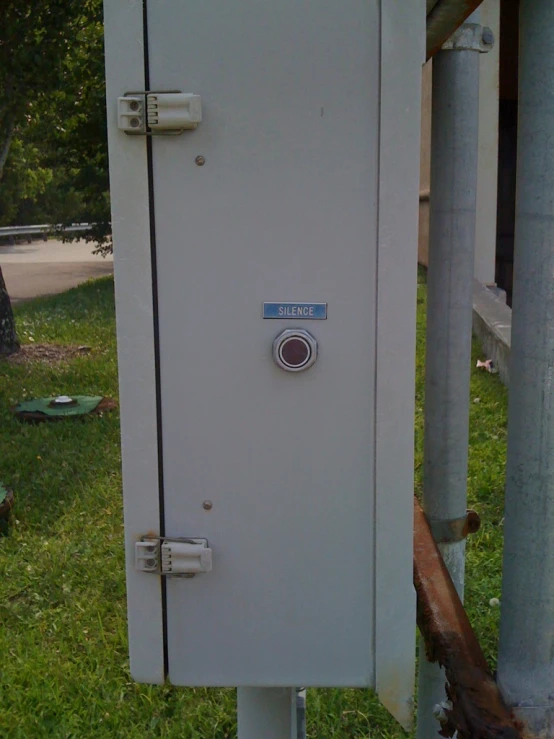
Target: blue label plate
column 304, row 311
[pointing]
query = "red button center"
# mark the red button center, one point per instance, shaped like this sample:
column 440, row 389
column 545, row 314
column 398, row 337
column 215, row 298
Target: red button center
column 295, row 352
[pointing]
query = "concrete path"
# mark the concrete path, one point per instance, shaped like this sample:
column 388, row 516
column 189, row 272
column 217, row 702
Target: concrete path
column 49, row 267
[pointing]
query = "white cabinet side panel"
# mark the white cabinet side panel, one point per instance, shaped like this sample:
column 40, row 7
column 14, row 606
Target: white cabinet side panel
column 284, row 208
column 135, row 337
column 403, row 39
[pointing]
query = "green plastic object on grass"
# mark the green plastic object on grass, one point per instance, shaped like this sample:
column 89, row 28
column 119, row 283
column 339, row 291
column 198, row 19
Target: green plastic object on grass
column 63, row 405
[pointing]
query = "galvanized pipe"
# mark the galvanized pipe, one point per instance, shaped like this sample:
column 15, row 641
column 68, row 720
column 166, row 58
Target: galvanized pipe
column 526, row 653
column 270, row 713
column 300, row 713
column 454, row 149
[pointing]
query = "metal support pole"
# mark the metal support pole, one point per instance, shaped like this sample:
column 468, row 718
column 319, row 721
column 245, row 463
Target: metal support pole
column 267, row 712
column 300, row 713
column 526, row 653
column 454, row 153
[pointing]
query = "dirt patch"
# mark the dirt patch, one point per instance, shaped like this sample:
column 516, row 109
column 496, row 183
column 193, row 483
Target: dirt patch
column 50, row 354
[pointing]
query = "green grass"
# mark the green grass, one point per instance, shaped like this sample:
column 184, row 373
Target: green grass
column 63, row 641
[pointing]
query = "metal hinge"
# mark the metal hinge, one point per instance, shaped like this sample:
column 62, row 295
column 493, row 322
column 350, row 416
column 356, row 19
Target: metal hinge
column 173, row 557
column 151, row 113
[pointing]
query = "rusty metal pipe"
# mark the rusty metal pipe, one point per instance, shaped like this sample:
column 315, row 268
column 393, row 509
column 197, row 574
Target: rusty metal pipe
column 478, row 709
column 444, row 19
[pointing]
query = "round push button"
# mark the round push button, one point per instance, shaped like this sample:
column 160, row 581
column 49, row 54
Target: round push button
column 294, row 350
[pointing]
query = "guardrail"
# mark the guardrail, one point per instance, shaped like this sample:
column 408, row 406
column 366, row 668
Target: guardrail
column 10, row 232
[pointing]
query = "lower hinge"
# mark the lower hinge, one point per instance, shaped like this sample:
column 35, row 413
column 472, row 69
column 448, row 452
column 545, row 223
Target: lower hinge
column 173, row 557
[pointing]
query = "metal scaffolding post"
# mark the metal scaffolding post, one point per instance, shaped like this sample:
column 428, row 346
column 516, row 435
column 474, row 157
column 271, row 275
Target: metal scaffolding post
column 268, row 712
column 454, row 153
column 526, row 653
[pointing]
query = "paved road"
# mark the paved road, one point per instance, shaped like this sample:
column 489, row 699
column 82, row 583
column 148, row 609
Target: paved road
column 45, row 268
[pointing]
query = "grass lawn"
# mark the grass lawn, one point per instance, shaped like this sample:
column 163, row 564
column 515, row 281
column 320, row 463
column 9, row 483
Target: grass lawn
column 63, row 641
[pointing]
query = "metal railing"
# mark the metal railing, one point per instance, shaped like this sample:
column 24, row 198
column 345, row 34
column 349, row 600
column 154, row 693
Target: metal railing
column 10, row 232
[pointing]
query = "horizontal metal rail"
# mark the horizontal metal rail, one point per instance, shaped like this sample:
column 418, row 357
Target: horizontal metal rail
column 476, row 707
column 45, row 228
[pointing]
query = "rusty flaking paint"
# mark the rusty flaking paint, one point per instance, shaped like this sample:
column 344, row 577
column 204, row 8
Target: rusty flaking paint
column 478, row 709
column 444, row 19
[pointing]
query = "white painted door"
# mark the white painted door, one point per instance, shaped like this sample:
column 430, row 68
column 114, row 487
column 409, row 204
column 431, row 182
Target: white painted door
column 284, row 208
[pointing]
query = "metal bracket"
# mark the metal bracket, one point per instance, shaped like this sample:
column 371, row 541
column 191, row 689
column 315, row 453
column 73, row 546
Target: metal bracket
column 454, row 529
column 470, row 37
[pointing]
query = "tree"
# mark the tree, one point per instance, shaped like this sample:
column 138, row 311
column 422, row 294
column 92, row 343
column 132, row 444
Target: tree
column 51, row 80
column 8, row 338
column 85, row 147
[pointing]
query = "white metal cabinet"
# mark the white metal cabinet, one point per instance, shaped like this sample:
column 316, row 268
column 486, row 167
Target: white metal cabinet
column 300, row 481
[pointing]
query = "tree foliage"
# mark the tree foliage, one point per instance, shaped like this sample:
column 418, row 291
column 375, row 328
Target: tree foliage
column 53, row 150
column 52, row 115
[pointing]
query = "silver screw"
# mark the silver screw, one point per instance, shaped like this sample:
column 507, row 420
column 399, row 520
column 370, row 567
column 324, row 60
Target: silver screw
column 135, row 123
column 200, row 161
column 133, row 105
column 207, row 505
